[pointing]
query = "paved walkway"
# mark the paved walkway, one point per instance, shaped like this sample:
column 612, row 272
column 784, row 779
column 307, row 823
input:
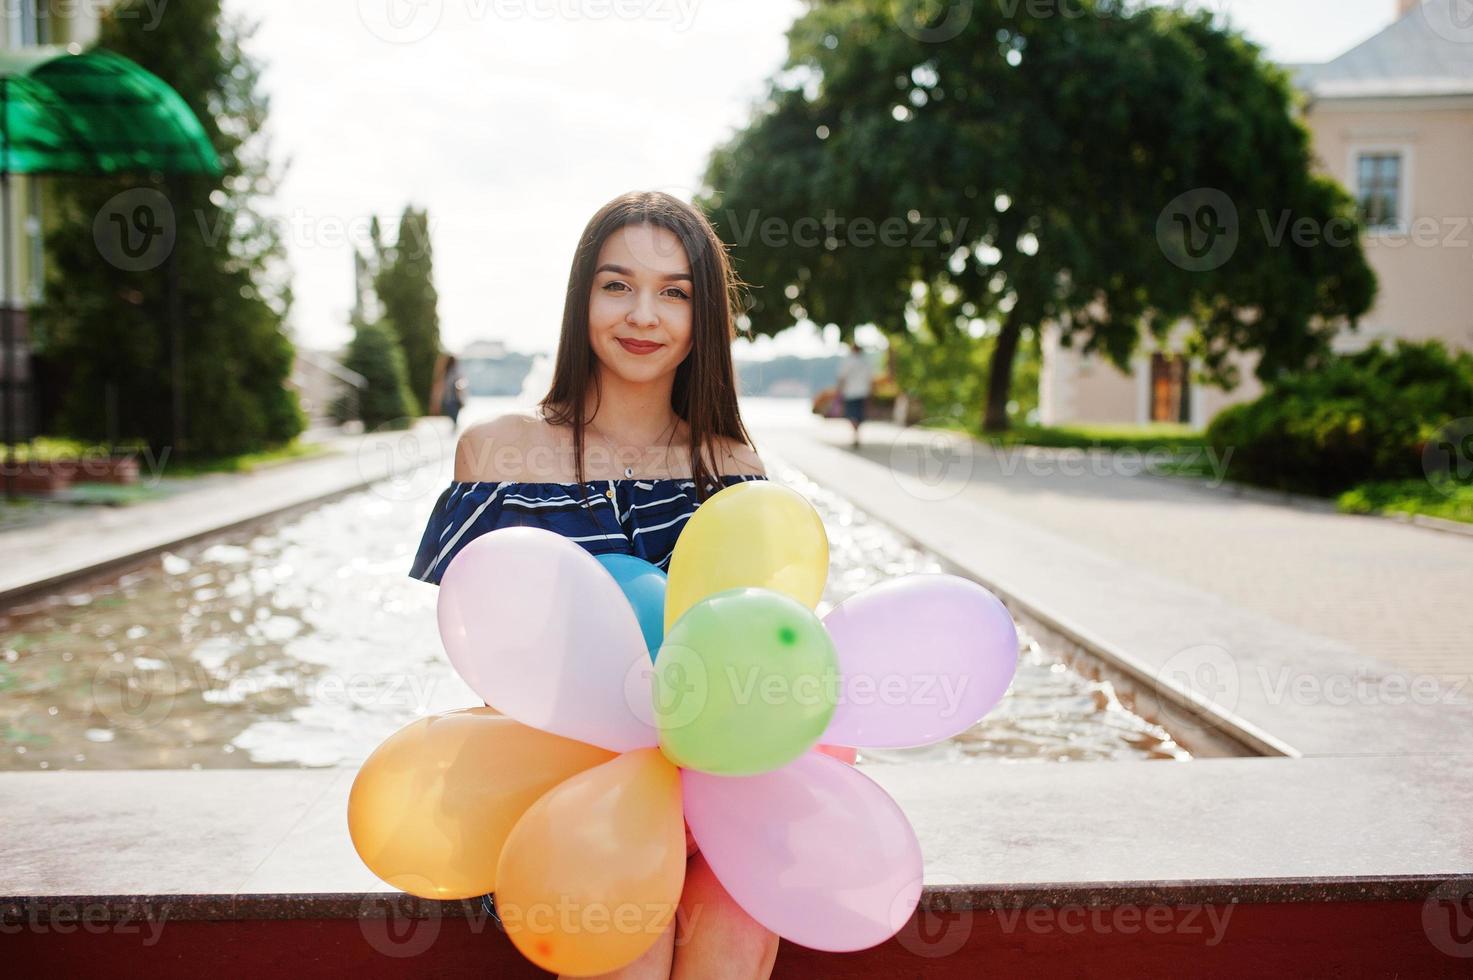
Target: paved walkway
column 1397, row 592
column 98, row 538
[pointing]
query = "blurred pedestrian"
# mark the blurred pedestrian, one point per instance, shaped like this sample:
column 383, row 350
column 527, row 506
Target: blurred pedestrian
column 856, row 381
column 450, row 388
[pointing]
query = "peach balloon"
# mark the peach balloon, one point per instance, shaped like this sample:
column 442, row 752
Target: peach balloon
column 591, row 874
column 431, row 807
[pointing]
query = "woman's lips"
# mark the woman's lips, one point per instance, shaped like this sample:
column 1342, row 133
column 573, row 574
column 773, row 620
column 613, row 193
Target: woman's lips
column 638, row 347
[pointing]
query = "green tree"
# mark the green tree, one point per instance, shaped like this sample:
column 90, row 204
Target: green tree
column 106, row 319
column 404, row 281
column 1114, row 173
column 374, row 352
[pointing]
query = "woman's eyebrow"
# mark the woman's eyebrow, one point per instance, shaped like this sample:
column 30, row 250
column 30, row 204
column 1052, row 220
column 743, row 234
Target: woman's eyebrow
column 669, row 276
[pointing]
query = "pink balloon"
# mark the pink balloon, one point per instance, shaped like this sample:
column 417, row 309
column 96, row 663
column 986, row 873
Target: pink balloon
column 816, row 851
column 921, row 658
column 844, row 753
column 542, row 632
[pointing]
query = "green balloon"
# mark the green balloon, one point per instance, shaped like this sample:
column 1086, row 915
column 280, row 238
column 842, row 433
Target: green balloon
column 745, row 682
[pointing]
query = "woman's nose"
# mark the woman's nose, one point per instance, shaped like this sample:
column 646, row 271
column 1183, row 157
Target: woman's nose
column 643, row 312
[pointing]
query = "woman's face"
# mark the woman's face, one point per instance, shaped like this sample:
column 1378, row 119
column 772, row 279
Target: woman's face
column 639, row 312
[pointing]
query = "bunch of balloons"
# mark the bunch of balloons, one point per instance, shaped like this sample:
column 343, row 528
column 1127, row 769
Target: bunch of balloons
column 571, row 805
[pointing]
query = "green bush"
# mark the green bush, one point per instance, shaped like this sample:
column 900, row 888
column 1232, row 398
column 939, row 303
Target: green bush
column 1354, row 419
column 375, row 353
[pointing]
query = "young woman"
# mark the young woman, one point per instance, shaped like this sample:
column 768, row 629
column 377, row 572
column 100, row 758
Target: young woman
column 643, row 368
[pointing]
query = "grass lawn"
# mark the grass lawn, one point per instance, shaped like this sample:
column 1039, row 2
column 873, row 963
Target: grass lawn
column 1140, row 437
column 1449, row 501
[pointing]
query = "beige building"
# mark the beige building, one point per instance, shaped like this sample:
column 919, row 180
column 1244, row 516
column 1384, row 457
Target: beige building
column 1392, row 120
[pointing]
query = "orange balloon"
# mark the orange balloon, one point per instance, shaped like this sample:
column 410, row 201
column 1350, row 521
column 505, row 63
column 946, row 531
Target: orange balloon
column 431, row 807
column 591, row 874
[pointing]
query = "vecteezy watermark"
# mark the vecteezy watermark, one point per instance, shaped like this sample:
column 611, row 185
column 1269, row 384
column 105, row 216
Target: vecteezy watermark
column 931, row 464
column 135, row 230
column 1207, row 922
column 409, row 21
column 151, row 12
column 1204, row 676
column 569, row 916
column 933, row 21
column 1451, row 20
column 1075, row 461
column 1447, row 459
column 942, row 921
column 1209, row 676
column 1198, row 231
column 679, row 686
column 395, row 458
column 834, row 231
column 1366, row 688
column 63, row 918
column 1447, row 918
column 401, row 21
column 1201, row 230
column 399, row 925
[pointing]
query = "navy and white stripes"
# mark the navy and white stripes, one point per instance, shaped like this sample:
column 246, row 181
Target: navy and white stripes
column 628, row 517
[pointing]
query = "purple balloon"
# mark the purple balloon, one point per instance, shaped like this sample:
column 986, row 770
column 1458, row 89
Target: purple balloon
column 816, row 851
column 921, row 658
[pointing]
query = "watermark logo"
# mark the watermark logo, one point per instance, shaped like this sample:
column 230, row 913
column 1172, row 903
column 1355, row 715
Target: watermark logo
column 135, row 230
column 1447, row 459
column 1447, row 918
column 401, row 21
column 396, row 458
column 63, row 917
column 934, row 21
column 1206, row 924
column 931, row 464
column 398, row 925
column 1198, row 231
column 942, row 924
column 1205, row 674
column 679, row 688
column 1452, row 20
column 136, row 694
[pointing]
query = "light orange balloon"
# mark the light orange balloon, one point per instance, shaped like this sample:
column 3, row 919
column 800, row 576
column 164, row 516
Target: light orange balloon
column 751, row 535
column 431, row 807
column 591, row 874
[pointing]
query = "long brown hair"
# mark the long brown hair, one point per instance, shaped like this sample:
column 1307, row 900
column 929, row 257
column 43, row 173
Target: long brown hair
column 704, row 394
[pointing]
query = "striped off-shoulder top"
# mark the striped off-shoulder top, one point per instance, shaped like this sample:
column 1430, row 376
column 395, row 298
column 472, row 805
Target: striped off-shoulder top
column 629, row 516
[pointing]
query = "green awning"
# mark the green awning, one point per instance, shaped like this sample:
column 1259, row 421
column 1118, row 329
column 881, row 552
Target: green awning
column 97, row 113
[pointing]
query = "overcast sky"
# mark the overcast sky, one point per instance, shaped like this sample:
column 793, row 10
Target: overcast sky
column 512, row 121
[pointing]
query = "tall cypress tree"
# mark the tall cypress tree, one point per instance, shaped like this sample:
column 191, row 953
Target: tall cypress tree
column 106, row 315
column 405, row 285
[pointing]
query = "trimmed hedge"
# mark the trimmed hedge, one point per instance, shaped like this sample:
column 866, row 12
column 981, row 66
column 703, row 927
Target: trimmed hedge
column 1357, row 418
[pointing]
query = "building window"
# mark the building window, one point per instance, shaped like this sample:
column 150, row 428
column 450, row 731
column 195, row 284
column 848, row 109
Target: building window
column 29, row 23
column 35, row 272
column 1378, row 182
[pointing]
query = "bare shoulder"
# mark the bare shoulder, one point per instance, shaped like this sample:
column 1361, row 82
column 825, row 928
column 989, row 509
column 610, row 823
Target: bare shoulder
column 496, row 449
column 738, row 459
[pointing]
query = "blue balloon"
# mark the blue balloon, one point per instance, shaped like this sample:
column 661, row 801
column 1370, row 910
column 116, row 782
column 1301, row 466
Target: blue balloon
column 644, row 587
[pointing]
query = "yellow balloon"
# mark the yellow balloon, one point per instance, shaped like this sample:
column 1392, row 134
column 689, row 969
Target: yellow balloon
column 432, row 805
column 591, row 874
column 749, row 535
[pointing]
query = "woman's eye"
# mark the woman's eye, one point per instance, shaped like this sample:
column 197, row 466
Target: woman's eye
column 608, row 286
column 678, row 293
